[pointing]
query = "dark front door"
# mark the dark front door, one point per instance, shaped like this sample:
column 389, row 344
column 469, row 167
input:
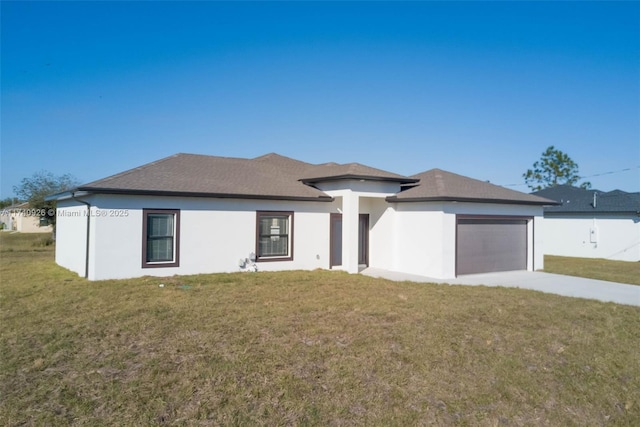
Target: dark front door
column 363, row 240
column 336, row 239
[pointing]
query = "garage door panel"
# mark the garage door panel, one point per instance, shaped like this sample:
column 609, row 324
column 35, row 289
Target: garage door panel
column 486, row 245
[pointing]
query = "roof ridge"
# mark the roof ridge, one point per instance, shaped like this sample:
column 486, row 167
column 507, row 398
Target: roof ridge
column 445, row 171
column 209, row 155
column 438, row 170
column 267, row 155
column 278, row 156
column 354, row 170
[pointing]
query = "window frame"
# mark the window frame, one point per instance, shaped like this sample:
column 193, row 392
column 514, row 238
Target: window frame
column 259, row 216
column 176, row 238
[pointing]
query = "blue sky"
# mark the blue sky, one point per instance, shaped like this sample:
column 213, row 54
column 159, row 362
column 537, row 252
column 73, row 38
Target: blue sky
column 480, row 89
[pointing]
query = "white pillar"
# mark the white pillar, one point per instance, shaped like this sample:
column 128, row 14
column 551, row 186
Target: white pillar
column 535, row 235
column 350, row 215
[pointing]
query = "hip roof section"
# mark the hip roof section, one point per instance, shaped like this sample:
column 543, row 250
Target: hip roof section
column 277, row 177
column 440, row 185
column 334, row 171
column 271, row 176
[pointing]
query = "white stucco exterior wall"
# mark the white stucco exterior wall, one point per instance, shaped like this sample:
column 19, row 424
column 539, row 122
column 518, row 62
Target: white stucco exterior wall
column 30, row 224
column 416, row 237
column 420, row 237
column 23, row 219
column 214, row 235
column 362, row 197
column 350, row 218
column 382, row 235
column 614, row 237
column 426, row 235
column 71, row 233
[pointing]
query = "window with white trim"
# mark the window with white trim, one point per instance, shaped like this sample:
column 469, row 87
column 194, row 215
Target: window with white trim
column 274, row 240
column 161, row 238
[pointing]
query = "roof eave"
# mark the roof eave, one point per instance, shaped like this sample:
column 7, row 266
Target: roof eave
column 166, row 193
column 64, row 195
column 585, row 212
column 467, row 199
column 400, row 180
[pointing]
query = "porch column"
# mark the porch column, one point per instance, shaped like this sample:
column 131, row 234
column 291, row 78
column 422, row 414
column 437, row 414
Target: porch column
column 350, row 212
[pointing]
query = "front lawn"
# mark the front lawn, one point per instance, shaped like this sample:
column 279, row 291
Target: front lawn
column 594, row 268
column 305, row 348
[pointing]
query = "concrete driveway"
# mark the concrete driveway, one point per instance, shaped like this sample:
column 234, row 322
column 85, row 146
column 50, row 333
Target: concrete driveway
column 538, row 281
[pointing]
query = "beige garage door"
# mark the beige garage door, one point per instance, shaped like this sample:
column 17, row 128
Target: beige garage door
column 486, row 245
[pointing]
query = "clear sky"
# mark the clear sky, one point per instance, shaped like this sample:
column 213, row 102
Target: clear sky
column 480, row 89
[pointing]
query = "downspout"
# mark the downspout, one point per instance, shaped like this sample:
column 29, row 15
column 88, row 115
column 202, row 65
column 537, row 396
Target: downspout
column 86, row 258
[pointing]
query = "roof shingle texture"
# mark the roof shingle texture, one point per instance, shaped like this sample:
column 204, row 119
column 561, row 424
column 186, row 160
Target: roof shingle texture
column 578, row 200
column 270, row 175
column 440, row 185
column 267, row 176
column 279, row 177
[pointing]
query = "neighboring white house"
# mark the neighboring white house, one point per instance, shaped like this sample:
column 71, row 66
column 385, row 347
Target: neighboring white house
column 592, row 223
column 23, row 219
column 189, row 214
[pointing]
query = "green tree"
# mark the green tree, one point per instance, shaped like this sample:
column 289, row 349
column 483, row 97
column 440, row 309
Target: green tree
column 42, row 184
column 8, row 201
column 553, row 168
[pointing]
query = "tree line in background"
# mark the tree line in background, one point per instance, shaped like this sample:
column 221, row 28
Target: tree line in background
column 9, row 201
column 35, row 188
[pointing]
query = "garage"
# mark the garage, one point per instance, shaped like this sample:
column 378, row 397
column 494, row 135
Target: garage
column 491, row 244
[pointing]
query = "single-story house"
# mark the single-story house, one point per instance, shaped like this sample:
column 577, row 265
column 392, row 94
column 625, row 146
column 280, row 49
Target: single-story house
column 592, row 223
column 190, row 214
column 22, row 218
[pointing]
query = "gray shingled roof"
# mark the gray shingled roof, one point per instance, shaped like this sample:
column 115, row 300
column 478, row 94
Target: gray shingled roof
column 578, row 200
column 273, row 176
column 439, row 185
column 269, row 176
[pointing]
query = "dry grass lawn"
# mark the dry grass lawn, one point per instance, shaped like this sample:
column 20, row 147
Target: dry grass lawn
column 304, row 348
column 601, row 269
